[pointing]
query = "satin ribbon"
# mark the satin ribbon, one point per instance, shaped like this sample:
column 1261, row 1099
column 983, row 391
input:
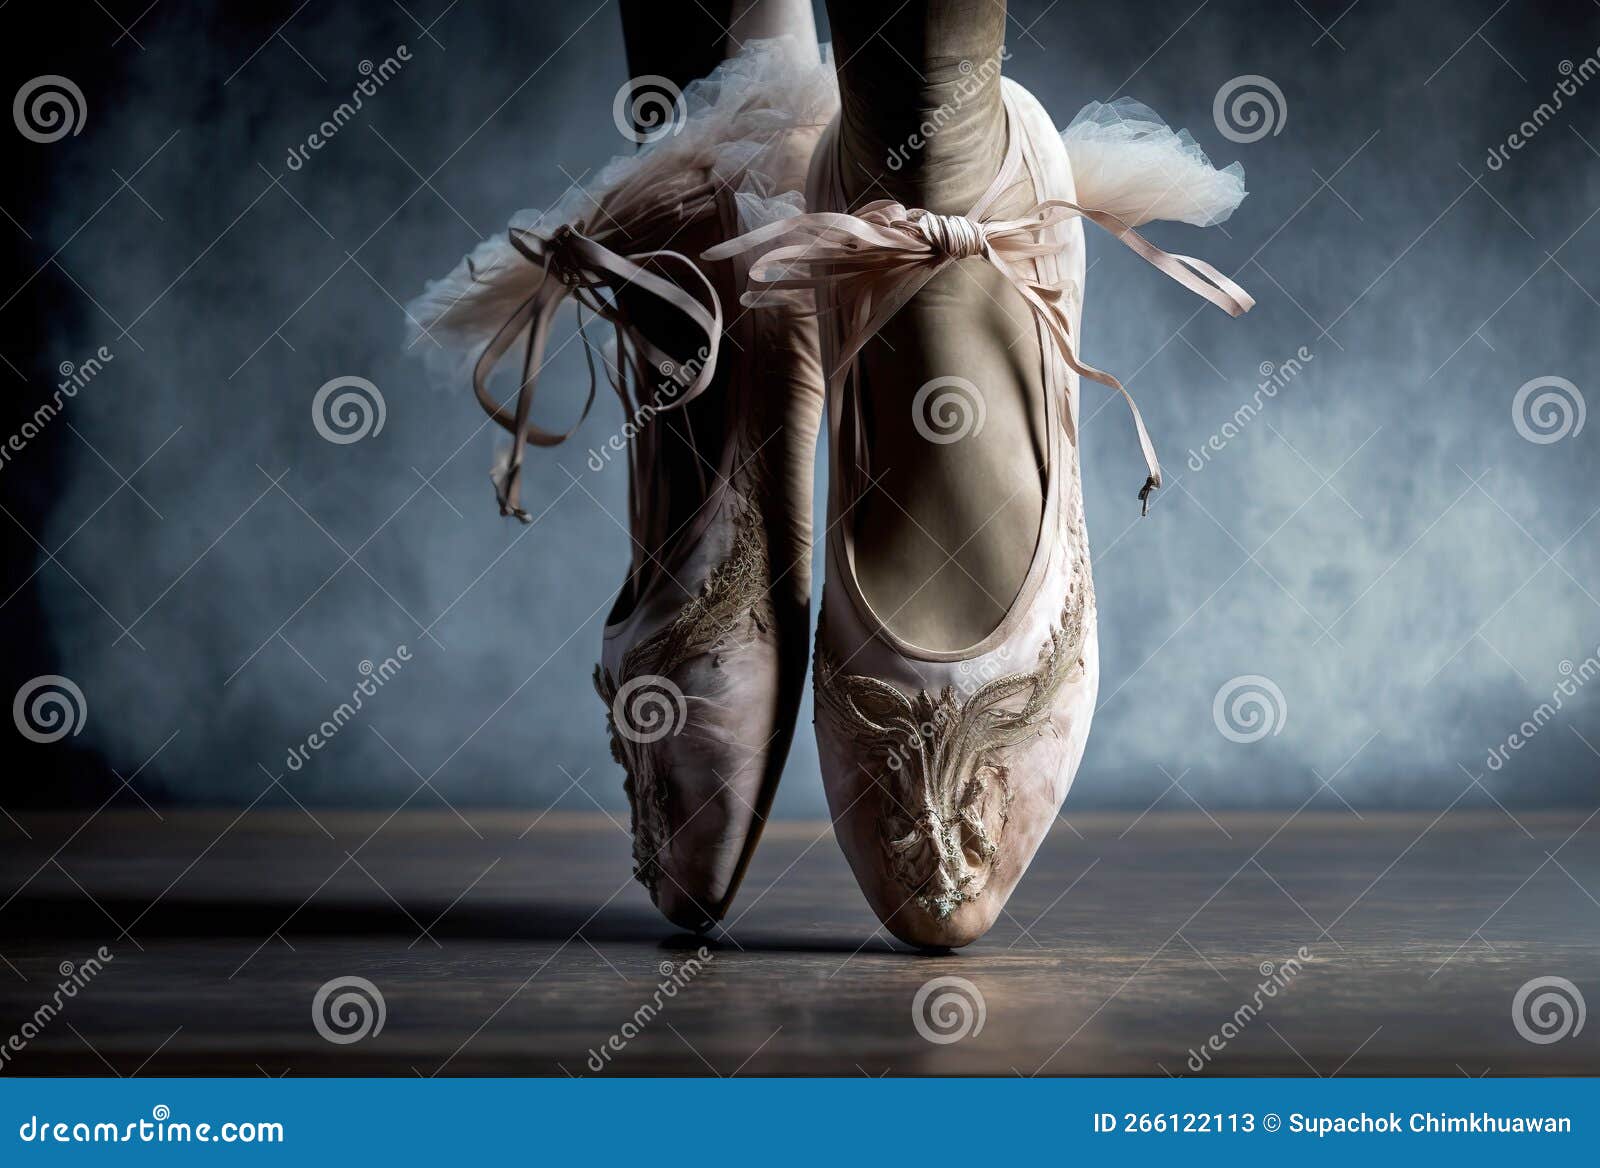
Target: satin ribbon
column 576, row 266
column 874, row 261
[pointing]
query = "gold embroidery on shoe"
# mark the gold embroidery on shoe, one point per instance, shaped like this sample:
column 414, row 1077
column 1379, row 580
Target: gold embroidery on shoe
column 735, row 594
column 943, row 775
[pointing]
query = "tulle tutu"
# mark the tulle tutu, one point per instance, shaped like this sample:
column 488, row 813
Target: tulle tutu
column 1127, row 161
column 728, row 139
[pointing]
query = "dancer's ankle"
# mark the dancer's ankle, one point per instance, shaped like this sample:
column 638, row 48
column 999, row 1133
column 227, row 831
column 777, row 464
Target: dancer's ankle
column 921, row 117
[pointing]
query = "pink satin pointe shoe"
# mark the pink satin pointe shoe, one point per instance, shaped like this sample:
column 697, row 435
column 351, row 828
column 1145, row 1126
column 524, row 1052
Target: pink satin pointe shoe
column 945, row 768
column 704, row 652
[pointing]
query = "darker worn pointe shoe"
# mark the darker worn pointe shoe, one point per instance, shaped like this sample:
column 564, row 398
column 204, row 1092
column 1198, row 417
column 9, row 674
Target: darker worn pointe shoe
column 704, row 652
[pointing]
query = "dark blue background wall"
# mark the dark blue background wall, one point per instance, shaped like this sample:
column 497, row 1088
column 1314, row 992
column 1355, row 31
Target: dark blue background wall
column 1381, row 540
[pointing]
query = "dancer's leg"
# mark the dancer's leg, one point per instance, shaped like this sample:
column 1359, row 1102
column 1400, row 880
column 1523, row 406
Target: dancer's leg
column 892, row 74
column 978, row 500
column 789, row 404
column 680, row 42
column 718, row 604
column 758, row 19
column 684, row 43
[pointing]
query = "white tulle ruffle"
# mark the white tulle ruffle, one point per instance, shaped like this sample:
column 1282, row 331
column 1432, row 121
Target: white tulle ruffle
column 1127, row 161
column 728, row 131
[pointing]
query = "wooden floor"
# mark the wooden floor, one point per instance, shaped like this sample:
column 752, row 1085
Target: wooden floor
column 506, row 944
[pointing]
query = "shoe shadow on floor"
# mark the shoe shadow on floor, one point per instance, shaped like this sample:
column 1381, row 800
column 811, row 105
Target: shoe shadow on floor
column 45, row 917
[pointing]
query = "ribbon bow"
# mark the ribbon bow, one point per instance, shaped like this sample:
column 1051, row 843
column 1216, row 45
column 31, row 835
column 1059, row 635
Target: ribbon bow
column 576, row 266
column 874, row 261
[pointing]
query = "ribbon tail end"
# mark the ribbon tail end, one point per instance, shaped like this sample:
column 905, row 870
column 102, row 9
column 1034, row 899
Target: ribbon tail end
column 1151, row 486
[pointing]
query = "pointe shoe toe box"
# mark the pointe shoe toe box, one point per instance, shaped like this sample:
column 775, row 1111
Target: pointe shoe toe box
column 944, row 778
column 700, row 715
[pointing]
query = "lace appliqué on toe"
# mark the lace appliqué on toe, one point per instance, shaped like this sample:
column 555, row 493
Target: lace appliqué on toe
column 644, row 708
column 944, row 777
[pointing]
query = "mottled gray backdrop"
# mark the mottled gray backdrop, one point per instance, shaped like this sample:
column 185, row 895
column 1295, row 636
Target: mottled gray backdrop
column 1380, row 540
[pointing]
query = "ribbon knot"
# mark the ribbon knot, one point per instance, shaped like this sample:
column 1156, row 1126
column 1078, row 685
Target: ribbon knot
column 954, row 237
column 573, row 264
column 560, row 256
column 870, row 263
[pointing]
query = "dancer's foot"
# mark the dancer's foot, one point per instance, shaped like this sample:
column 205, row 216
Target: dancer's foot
column 946, row 759
column 950, row 387
column 705, row 648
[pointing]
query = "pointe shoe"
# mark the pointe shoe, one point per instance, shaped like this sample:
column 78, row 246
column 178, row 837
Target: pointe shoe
column 945, row 769
column 704, row 651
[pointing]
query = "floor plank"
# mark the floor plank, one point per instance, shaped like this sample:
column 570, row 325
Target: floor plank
column 510, row 943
